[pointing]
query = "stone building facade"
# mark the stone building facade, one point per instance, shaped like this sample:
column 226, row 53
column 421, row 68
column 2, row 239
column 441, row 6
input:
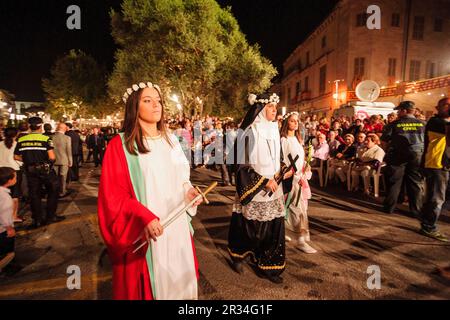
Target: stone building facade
column 408, row 56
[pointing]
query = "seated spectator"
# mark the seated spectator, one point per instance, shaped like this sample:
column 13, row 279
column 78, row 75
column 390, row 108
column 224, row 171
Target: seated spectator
column 369, row 162
column 340, row 164
column 7, row 232
column 333, row 143
column 360, row 144
column 321, row 150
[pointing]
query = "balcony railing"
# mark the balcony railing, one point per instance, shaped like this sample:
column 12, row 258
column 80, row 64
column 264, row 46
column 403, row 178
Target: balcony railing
column 410, row 87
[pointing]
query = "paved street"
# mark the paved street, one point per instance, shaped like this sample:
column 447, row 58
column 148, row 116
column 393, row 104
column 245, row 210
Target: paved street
column 349, row 233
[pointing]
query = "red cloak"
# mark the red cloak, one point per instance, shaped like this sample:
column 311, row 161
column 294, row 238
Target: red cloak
column 122, row 218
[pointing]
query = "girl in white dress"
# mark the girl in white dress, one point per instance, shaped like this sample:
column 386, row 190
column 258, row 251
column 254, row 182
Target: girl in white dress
column 151, row 160
column 297, row 191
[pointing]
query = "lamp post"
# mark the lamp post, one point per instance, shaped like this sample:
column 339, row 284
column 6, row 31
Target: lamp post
column 336, row 92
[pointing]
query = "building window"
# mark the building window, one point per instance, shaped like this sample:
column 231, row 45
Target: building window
column 414, row 70
column 322, row 79
column 297, row 89
column 438, row 25
column 307, row 58
column 289, row 95
column 307, row 84
column 431, row 69
column 324, row 42
column 361, row 19
column 395, row 22
column 392, row 67
column 419, row 27
column 359, row 66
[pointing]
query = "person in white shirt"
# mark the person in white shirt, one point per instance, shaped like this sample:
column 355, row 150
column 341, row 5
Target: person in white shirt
column 367, row 164
column 7, row 148
column 7, row 232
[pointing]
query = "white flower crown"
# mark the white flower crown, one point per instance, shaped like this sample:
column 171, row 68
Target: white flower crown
column 136, row 87
column 287, row 115
column 252, row 99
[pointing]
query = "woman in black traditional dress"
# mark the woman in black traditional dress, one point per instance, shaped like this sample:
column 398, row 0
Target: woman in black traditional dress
column 257, row 223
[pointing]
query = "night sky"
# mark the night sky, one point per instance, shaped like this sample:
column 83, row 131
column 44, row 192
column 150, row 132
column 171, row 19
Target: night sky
column 33, row 34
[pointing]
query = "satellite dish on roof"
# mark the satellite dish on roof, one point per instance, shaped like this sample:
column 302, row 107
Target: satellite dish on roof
column 368, row 91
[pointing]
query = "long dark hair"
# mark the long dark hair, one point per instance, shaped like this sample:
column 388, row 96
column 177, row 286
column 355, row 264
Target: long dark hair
column 285, row 129
column 132, row 128
column 10, row 136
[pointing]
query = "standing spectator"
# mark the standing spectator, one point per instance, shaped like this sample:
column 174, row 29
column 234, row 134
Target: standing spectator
column 48, row 130
column 7, row 232
column 230, row 139
column 36, row 152
column 24, row 129
column 7, row 148
column 64, row 159
column 96, row 145
column 186, row 139
column 405, row 139
column 436, row 164
column 391, row 118
column 357, row 127
column 80, row 158
column 75, row 141
column 336, row 126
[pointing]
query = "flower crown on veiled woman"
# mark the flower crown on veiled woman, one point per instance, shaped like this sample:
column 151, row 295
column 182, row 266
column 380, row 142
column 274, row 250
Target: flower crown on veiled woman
column 136, row 87
column 253, row 98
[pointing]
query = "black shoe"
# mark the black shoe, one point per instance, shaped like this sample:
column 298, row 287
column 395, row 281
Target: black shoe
column 275, row 279
column 238, row 267
column 55, row 219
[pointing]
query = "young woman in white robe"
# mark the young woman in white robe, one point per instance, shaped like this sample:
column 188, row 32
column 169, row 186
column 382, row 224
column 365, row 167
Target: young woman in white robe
column 297, row 191
column 159, row 174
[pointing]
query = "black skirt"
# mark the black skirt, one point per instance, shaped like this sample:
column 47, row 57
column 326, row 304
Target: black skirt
column 264, row 242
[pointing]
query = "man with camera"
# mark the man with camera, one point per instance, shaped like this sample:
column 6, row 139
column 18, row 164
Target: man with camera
column 35, row 150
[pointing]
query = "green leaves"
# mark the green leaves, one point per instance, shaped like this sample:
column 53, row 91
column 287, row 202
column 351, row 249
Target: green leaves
column 77, row 86
column 192, row 48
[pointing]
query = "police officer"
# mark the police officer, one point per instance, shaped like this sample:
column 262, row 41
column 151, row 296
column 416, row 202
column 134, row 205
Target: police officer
column 405, row 145
column 35, row 150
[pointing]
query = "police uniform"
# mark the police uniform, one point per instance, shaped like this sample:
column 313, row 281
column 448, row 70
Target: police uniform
column 406, row 145
column 33, row 148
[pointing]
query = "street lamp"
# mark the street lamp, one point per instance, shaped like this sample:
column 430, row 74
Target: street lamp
column 336, row 92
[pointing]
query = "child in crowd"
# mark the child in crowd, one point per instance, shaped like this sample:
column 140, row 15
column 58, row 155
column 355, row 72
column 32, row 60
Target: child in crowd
column 7, row 232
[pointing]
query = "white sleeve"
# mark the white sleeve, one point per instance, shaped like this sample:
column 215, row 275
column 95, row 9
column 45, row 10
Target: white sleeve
column 285, row 147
